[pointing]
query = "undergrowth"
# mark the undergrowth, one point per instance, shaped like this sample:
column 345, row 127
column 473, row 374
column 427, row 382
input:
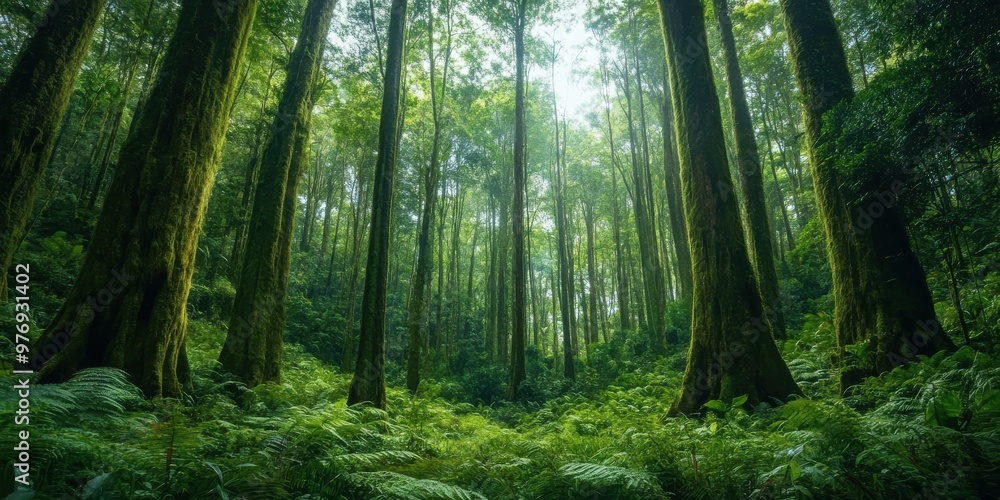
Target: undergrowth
column 927, row 430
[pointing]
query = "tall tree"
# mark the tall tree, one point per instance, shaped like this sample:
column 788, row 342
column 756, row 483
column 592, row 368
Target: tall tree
column 653, row 287
column 257, row 322
column 417, row 307
column 127, row 308
column 32, row 103
column 519, row 303
column 732, row 351
column 368, row 384
column 881, row 297
column 563, row 253
column 754, row 210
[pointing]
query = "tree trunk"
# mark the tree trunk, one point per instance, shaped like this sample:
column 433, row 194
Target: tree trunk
column 652, row 273
column 138, row 269
column 518, row 281
column 732, row 351
column 502, row 328
column 880, row 290
column 591, row 271
column 32, row 103
column 424, row 251
column 249, row 190
column 565, row 274
column 368, row 384
column 754, row 210
column 253, row 344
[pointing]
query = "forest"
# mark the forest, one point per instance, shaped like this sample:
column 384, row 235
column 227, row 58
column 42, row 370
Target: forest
column 504, row 249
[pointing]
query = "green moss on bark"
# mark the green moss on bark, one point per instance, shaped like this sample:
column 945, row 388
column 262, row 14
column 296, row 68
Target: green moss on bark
column 884, row 315
column 253, row 343
column 127, row 307
column 32, row 103
column 732, row 352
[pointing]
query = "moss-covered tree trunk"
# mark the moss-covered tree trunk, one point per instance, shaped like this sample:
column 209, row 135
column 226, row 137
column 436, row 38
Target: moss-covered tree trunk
column 32, row 103
column 252, row 349
column 519, row 329
column 368, row 384
column 882, row 302
column 732, row 352
column 127, row 308
column 751, row 185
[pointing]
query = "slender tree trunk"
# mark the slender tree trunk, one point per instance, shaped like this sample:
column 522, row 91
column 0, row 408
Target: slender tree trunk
column 880, row 290
column 368, row 384
column 591, row 270
column 327, row 210
column 253, row 344
column 503, row 321
column 312, row 199
column 753, row 208
column 519, row 303
column 624, row 314
column 249, row 189
column 491, row 288
column 137, row 274
column 336, row 237
column 32, row 103
column 652, row 276
column 774, row 174
column 435, row 333
column 424, row 250
column 732, row 351
column 565, row 274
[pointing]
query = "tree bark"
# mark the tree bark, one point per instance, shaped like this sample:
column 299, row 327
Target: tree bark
column 652, row 272
column 519, row 302
column 32, row 104
column 753, row 208
column 368, row 384
column 732, row 351
column 424, row 251
column 880, row 291
column 591, row 271
column 252, row 350
column 127, row 308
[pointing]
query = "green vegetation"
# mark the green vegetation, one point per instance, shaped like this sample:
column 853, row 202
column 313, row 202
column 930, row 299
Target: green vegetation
column 545, row 249
column 928, row 431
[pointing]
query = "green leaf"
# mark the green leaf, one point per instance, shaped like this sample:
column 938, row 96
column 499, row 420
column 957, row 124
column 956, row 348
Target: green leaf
column 716, row 405
column 794, row 470
column 739, row 401
column 944, row 409
column 95, row 486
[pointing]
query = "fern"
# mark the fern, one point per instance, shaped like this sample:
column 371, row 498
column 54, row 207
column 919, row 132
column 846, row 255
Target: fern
column 630, row 481
column 390, row 486
column 372, row 459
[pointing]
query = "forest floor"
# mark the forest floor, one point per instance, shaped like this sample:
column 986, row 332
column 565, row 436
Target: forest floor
column 926, row 431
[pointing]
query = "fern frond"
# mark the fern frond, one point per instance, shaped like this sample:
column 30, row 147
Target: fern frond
column 392, row 486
